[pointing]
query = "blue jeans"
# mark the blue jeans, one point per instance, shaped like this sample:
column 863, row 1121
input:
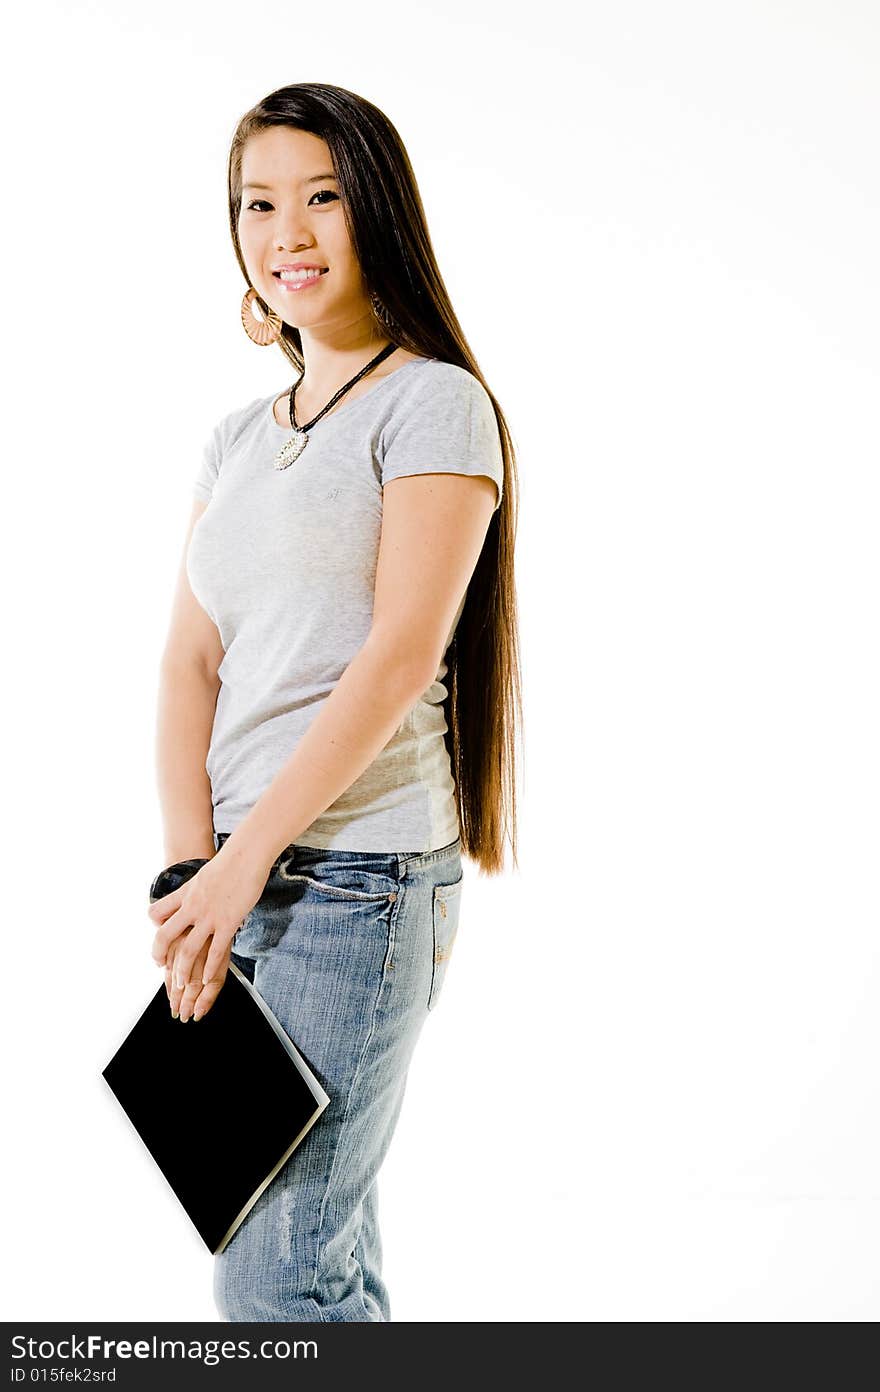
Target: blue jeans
column 350, row 950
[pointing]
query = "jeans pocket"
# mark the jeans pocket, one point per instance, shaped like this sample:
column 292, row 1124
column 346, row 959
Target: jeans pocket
column 342, row 882
column 447, row 904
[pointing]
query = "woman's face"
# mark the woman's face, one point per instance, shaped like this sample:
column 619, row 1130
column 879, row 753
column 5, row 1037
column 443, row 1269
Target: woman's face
column 295, row 215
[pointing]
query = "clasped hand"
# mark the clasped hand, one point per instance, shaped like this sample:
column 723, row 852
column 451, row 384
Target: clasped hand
column 198, row 923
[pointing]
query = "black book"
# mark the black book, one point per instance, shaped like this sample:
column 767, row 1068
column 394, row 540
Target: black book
column 221, row 1103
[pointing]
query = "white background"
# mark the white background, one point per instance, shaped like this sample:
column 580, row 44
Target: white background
column 658, row 225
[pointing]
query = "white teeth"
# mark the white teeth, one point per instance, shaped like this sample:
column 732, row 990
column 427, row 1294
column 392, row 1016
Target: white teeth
column 299, row 275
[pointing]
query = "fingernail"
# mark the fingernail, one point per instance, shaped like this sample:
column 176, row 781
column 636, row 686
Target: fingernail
column 174, row 1014
column 198, row 1015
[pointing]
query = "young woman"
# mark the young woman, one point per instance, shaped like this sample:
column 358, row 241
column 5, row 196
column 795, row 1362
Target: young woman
column 340, row 684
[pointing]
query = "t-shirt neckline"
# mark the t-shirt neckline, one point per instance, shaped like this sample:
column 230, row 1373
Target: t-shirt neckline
column 344, row 405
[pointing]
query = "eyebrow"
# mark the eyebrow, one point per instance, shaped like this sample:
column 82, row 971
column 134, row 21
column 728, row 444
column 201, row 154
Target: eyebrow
column 315, row 179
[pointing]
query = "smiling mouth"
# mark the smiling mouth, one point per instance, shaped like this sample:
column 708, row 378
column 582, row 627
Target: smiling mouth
column 295, row 278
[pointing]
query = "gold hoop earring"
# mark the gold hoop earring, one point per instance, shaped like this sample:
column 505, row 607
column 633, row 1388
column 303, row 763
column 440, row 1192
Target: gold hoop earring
column 260, row 331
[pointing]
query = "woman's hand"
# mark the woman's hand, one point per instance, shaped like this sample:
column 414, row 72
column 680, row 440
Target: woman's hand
column 198, row 923
column 182, row 1000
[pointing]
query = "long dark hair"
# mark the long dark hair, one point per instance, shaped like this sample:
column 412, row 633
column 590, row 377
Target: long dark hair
column 388, row 230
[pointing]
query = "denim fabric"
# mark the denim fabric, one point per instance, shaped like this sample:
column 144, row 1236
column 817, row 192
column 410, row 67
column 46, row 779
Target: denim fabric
column 350, row 950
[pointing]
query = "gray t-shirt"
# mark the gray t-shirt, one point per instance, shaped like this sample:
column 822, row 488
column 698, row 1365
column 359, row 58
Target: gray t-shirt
column 284, row 562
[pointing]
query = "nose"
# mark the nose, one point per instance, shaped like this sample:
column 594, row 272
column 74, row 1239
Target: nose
column 291, row 231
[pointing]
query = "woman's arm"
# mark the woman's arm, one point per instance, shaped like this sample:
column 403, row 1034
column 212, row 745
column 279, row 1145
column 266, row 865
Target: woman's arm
column 187, row 698
column 433, row 529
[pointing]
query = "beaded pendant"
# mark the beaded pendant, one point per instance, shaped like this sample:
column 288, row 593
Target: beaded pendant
column 291, row 449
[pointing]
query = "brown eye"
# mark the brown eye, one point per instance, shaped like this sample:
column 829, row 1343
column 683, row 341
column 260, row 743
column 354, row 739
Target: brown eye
column 260, row 203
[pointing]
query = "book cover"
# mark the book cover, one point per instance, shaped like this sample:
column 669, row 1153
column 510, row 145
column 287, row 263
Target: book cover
column 220, row 1103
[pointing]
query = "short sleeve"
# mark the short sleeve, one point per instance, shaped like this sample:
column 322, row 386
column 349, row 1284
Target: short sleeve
column 220, row 441
column 209, row 468
column 445, row 425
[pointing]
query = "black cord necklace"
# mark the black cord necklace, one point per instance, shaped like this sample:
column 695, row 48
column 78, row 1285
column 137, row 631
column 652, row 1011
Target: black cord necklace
column 293, row 448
